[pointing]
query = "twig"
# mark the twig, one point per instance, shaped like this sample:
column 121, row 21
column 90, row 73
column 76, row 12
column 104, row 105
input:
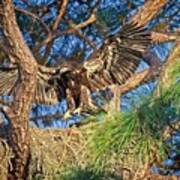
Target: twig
column 59, row 17
column 47, row 117
column 34, row 16
column 61, row 13
column 68, row 31
column 27, row 3
column 81, row 35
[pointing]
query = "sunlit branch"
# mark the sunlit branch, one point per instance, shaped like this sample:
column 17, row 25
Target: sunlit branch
column 163, row 37
column 148, row 11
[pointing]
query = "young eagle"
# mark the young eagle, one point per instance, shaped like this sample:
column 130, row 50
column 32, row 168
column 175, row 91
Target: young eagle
column 114, row 63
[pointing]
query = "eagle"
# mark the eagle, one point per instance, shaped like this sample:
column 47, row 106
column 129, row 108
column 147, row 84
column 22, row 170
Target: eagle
column 114, row 63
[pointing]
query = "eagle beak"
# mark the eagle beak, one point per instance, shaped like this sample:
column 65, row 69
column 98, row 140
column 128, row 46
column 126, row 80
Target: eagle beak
column 64, row 70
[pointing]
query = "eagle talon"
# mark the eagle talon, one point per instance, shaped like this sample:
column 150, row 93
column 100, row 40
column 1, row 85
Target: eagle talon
column 78, row 111
column 67, row 115
column 93, row 107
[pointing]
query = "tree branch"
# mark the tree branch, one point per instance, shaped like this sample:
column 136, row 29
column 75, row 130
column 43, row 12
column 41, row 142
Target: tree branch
column 71, row 30
column 62, row 9
column 162, row 37
column 61, row 13
column 148, row 11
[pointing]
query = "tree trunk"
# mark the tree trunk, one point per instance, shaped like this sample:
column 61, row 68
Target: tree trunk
column 18, row 112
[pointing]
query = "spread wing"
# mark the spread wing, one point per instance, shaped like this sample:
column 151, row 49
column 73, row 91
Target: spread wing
column 119, row 58
column 8, row 79
column 44, row 93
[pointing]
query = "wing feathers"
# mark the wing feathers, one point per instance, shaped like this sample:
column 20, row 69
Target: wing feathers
column 44, row 94
column 121, row 57
column 114, row 64
column 8, row 78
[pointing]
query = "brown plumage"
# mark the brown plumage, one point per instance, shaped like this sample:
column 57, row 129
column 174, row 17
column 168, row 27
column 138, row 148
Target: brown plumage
column 114, row 63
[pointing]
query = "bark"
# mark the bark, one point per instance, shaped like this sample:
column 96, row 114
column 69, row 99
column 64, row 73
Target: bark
column 148, row 11
column 18, row 112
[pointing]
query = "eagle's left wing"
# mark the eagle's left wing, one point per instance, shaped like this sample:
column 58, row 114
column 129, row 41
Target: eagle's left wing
column 119, row 57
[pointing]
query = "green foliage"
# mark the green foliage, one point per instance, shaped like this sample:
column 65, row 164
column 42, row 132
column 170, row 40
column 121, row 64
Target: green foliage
column 77, row 173
column 135, row 137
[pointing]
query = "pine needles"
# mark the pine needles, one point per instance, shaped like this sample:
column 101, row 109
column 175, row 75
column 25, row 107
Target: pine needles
column 134, row 139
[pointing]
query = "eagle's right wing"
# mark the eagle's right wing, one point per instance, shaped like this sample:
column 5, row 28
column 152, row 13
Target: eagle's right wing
column 119, row 57
column 44, row 93
column 8, row 79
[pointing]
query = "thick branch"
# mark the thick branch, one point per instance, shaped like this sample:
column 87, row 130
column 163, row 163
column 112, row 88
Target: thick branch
column 173, row 61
